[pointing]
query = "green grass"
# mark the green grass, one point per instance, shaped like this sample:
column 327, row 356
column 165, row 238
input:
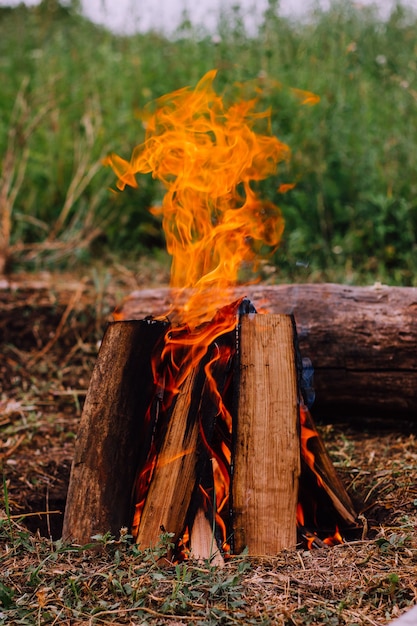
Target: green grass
column 71, row 92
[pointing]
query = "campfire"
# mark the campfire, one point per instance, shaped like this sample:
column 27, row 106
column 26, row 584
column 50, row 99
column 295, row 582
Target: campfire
column 197, row 422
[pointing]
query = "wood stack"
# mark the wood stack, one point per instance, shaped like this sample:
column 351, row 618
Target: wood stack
column 119, row 428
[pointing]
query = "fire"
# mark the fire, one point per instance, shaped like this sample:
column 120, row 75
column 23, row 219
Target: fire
column 208, row 156
column 182, row 354
column 307, row 433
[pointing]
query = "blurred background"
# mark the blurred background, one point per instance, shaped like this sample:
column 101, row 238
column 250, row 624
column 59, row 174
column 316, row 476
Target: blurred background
column 77, row 75
column 130, row 16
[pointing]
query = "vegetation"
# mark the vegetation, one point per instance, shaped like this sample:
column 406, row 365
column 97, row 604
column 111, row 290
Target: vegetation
column 72, row 92
column 112, row 582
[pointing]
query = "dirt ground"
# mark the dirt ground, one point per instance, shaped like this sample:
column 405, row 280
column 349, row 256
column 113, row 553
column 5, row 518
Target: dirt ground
column 50, row 332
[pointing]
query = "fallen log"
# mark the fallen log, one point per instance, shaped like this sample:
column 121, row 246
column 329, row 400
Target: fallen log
column 361, row 340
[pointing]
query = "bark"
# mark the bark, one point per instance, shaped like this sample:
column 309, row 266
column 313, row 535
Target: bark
column 111, row 435
column 361, row 341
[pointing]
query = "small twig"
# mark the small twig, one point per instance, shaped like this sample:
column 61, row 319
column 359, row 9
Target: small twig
column 138, row 609
column 13, row 448
column 70, row 392
column 24, row 515
column 48, row 519
column 374, row 487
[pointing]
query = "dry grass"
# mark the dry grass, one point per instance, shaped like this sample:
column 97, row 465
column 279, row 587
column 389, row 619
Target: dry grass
column 49, row 342
column 366, row 582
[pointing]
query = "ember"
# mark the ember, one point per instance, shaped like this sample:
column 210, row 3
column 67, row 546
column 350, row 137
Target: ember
column 208, row 157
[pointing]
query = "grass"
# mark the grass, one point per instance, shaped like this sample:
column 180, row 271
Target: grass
column 112, row 582
column 73, row 91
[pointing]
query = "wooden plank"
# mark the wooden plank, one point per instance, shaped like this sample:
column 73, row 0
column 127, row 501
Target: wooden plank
column 361, row 341
column 266, row 439
column 111, row 427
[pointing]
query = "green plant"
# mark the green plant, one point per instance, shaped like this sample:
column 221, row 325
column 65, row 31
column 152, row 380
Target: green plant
column 352, row 214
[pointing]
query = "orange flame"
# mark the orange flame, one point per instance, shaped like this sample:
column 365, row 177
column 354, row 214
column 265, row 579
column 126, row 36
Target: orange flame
column 206, row 155
column 335, row 539
column 307, row 434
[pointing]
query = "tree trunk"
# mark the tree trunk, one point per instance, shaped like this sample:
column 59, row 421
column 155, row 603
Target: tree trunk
column 361, row 340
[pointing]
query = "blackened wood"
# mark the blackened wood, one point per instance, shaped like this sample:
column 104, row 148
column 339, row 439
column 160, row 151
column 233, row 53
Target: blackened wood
column 361, row 340
column 317, row 460
column 267, row 446
column 111, row 431
column 174, row 478
column 184, row 450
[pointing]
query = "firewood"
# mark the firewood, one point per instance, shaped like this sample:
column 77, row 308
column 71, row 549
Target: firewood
column 174, row 478
column 129, row 417
column 107, row 450
column 183, row 455
column 266, row 463
column 361, row 341
column 328, row 477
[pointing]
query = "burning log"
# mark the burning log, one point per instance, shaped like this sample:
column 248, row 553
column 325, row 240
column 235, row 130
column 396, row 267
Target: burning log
column 317, row 459
column 126, row 434
column 361, row 341
column 174, row 477
column 195, row 422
